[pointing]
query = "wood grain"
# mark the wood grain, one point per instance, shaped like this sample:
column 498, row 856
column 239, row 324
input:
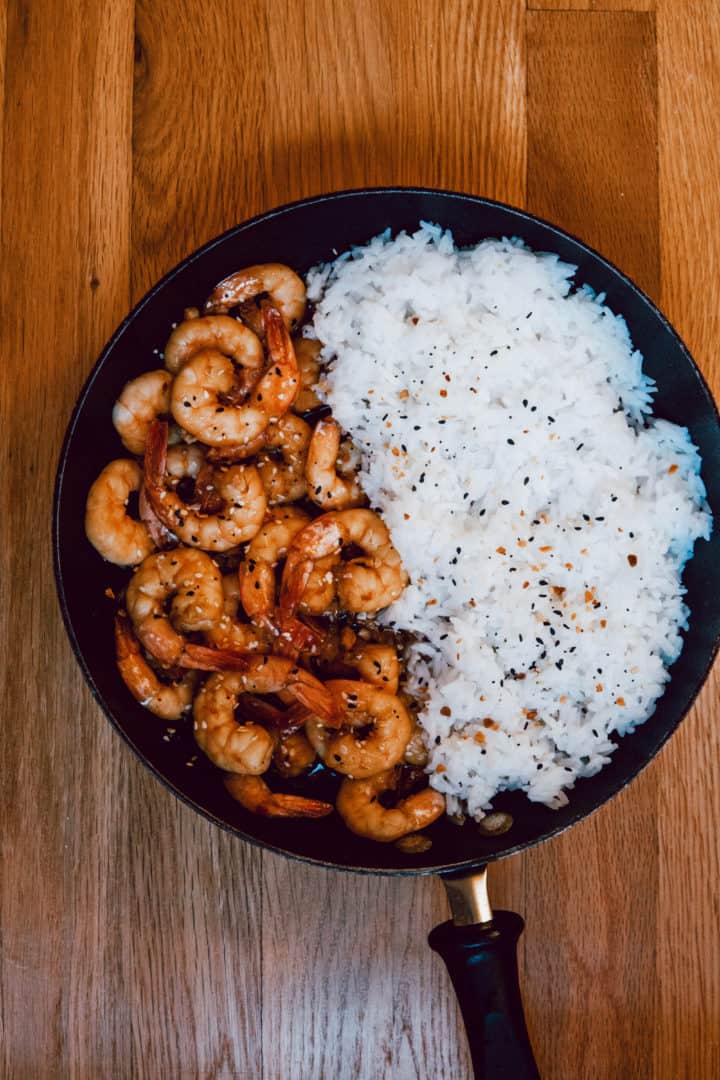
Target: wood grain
column 135, row 939
column 65, row 228
column 592, row 168
column 687, row 1040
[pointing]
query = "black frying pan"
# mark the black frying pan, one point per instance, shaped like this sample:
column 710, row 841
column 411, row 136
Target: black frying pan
column 478, row 947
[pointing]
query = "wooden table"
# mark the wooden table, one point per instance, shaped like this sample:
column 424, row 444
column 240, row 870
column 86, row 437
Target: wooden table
column 136, row 939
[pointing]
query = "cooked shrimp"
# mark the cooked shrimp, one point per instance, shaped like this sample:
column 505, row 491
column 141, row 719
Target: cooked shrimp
column 235, row 747
column 352, row 750
column 253, row 793
column 229, row 634
column 376, row 664
column 324, row 486
column 190, row 581
column 307, row 353
column 197, row 400
column 272, row 674
column 282, row 285
column 257, row 574
column 219, row 332
column 416, row 752
column 293, row 754
column 359, row 806
column 239, row 506
column 141, row 401
column 167, row 700
column 108, row 526
column 368, row 583
column 284, row 480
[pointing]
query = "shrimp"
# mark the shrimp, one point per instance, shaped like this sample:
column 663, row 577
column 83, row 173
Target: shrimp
column 282, row 285
column 375, row 664
column 273, row 674
column 352, row 751
column 257, row 573
column 219, row 332
column 229, row 634
column 367, row 584
column 238, row 748
column 167, row 700
column 359, row 806
column 197, row 399
column 141, row 401
column 239, row 498
column 284, row 481
column 191, row 582
column 307, row 353
column 293, row 754
column 253, row 793
column 324, row 486
column 108, row 526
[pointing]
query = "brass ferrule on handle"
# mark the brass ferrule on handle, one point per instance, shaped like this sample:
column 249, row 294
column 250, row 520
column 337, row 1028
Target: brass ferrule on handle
column 468, row 898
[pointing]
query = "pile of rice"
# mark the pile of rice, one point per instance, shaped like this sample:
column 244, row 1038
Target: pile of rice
column 504, row 428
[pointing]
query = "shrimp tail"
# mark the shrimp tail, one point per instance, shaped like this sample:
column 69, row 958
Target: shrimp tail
column 160, row 535
column 253, row 793
column 154, row 465
column 205, row 658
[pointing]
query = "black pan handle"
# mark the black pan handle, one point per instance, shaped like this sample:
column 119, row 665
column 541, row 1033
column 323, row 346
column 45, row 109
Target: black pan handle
column 481, row 958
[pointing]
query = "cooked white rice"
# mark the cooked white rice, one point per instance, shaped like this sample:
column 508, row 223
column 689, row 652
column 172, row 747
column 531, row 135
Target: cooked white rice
column 504, row 429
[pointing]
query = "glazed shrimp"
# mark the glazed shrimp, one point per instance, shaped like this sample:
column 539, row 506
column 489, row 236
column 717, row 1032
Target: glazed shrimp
column 108, row 526
column 324, row 486
column 273, row 674
column 219, row 332
column 359, row 806
column 229, row 634
column 307, row 353
column 190, row 582
column 293, row 754
column 236, row 747
column 167, row 700
column 253, row 793
column 352, row 751
column 197, row 399
column 284, row 480
column 257, row 575
column 238, row 507
column 141, row 401
column 375, row 664
column 367, row 584
column 282, row 285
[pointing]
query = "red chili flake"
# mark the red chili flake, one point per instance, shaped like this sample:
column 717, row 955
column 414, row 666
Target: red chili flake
column 501, row 551
column 599, row 688
column 406, row 516
column 522, row 543
column 673, row 468
column 446, row 711
column 447, row 378
column 404, row 394
column 430, row 603
column 526, row 584
column 632, row 559
column 548, row 547
column 603, row 623
column 488, row 722
column 441, row 768
column 443, row 393
column 471, row 602
column 559, row 590
column 620, row 701
column 479, row 737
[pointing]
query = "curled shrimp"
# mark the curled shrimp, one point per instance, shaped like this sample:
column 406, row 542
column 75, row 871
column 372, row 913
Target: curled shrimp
column 233, row 746
column 219, row 332
column 293, row 754
column 167, row 700
column 367, row 583
column 141, row 401
column 229, row 633
column 359, row 806
column 307, row 353
column 108, row 526
column 352, row 750
column 276, row 674
column 280, row 283
column 253, row 793
column 284, row 480
column 257, row 574
column 232, row 518
column 199, row 397
column 190, row 582
column 325, row 486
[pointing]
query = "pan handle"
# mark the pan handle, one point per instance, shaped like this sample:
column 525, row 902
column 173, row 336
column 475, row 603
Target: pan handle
column 479, row 948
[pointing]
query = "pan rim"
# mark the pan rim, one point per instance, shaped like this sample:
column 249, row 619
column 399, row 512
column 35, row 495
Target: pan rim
column 455, row 868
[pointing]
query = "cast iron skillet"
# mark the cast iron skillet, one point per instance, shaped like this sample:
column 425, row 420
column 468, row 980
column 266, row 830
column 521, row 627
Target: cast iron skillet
column 481, row 954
